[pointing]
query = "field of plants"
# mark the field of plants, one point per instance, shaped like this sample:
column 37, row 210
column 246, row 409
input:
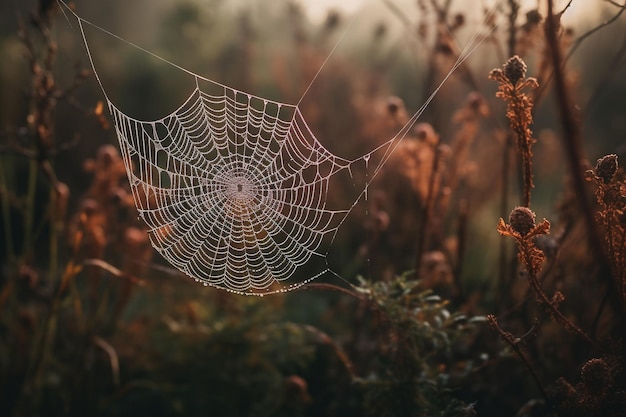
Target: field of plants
column 481, row 272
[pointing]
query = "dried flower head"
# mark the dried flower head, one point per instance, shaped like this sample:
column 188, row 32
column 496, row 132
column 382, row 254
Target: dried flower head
column 514, row 69
column 522, row 220
column 425, row 133
column 394, row 104
column 512, row 82
column 607, row 167
column 107, row 156
column 533, row 17
column 458, row 21
column 596, row 375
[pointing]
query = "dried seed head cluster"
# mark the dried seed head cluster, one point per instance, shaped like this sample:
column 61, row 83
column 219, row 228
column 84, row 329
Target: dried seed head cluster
column 514, row 69
column 606, row 168
column 512, row 72
column 523, row 229
column 522, row 220
column 596, row 375
column 595, row 395
column 533, row 17
column 511, row 83
column 104, row 220
column 611, row 198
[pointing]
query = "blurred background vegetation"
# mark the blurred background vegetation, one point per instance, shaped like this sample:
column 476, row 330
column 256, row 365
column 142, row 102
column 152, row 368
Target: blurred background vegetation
column 93, row 323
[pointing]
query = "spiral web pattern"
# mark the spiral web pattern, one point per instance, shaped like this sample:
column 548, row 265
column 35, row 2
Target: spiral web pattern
column 232, row 188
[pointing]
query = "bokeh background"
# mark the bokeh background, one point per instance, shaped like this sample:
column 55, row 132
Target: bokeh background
column 93, row 322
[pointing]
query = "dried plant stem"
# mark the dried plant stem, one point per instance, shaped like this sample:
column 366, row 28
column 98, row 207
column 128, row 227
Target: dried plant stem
column 550, row 305
column 512, row 82
column 112, row 355
column 523, row 229
column 6, row 215
column 572, row 140
column 461, row 233
column 54, row 238
column 29, row 210
column 519, row 123
column 506, row 160
column 514, row 343
column 329, row 341
column 513, row 12
column 49, row 327
column 581, row 38
column 504, row 249
column 527, row 166
column 422, row 239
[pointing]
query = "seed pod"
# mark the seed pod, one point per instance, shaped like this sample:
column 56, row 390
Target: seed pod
column 514, row 69
column 522, row 220
column 596, row 375
column 607, row 167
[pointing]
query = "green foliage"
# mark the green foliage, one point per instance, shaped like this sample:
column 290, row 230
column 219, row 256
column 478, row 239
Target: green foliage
column 417, row 366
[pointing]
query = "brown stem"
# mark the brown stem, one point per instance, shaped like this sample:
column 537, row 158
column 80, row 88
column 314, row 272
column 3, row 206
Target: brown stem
column 514, row 9
column 509, row 338
column 461, row 234
column 428, row 205
column 572, row 141
column 524, row 143
column 550, row 304
column 504, row 249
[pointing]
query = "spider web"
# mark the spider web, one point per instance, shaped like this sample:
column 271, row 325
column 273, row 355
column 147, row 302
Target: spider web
column 234, row 188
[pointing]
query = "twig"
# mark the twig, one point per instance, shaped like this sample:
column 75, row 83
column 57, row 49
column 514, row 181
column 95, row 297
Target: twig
column 513, row 12
column 461, row 235
column 327, row 340
column 6, row 215
column 556, row 313
column 540, row 93
column 602, row 25
column 113, row 358
column 105, row 266
column 524, row 230
column 422, row 239
column 514, row 343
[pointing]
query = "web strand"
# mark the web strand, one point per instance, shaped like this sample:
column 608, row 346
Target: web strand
column 319, row 71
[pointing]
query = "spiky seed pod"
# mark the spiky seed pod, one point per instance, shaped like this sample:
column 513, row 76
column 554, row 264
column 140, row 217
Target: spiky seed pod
column 514, row 69
column 596, row 375
column 607, row 167
column 522, row 220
